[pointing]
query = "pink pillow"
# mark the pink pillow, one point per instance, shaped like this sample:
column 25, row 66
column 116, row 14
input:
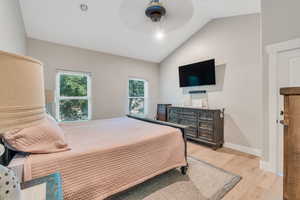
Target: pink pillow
column 46, row 137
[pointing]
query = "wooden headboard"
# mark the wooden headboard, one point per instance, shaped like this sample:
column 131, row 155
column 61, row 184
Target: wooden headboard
column 7, row 156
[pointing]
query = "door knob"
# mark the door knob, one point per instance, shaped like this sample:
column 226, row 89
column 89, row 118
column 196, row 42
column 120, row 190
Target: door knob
column 282, row 112
column 284, row 122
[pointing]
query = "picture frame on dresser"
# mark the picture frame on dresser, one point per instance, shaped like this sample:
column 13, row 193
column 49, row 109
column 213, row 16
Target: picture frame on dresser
column 205, row 126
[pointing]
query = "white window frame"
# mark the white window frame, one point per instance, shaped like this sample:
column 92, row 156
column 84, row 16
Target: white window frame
column 58, row 98
column 145, row 95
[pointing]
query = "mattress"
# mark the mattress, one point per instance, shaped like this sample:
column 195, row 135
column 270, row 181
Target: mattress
column 109, row 156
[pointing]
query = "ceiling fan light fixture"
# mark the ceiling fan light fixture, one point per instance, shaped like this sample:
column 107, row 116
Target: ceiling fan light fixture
column 155, row 10
column 159, row 35
column 84, row 7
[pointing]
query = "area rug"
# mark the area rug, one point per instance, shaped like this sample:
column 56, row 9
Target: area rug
column 203, row 182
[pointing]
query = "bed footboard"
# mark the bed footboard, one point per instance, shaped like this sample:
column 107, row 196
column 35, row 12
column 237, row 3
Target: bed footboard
column 182, row 128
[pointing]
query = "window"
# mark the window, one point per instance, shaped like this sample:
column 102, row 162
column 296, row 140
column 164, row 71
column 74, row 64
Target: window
column 73, row 96
column 137, row 97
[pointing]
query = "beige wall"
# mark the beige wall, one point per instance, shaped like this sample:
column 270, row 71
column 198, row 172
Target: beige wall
column 234, row 41
column 109, row 75
column 280, row 22
column 12, row 31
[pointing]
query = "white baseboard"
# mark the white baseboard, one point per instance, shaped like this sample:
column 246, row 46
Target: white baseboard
column 248, row 150
column 264, row 165
column 267, row 166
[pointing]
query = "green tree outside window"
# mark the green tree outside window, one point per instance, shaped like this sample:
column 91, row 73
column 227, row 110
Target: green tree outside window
column 73, row 97
column 137, row 94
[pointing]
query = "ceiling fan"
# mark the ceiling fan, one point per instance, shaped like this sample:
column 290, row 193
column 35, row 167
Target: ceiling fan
column 155, row 11
column 147, row 15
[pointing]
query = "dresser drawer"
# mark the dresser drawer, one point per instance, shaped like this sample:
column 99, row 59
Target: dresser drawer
column 173, row 120
column 174, row 112
column 206, row 135
column 188, row 122
column 177, row 110
column 191, row 132
column 189, row 113
column 206, row 115
column 206, row 125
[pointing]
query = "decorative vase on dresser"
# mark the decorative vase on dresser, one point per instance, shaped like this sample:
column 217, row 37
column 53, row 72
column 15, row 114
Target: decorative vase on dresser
column 291, row 122
column 205, row 125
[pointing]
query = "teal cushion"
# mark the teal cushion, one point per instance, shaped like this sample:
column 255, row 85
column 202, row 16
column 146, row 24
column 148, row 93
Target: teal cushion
column 53, row 186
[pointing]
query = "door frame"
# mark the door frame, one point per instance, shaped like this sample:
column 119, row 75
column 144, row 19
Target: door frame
column 273, row 52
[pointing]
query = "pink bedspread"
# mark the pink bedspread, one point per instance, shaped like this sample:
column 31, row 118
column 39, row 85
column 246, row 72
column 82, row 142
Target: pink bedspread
column 109, row 156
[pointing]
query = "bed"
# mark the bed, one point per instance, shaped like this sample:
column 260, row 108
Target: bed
column 110, row 156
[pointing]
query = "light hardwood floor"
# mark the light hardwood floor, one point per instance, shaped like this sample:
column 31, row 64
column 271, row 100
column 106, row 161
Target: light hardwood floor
column 256, row 183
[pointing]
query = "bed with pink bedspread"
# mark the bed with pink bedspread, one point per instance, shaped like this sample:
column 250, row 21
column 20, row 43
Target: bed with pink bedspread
column 110, row 156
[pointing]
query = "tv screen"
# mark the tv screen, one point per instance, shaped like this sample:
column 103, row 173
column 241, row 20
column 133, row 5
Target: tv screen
column 197, row 74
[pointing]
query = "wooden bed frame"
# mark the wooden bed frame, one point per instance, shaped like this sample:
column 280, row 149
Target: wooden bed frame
column 9, row 154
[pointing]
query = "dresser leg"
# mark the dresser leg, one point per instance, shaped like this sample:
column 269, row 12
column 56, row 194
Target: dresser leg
column 184, row 170
column 216, row 147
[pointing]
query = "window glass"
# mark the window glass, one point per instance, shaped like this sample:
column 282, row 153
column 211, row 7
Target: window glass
column 73, row 110
column 73, row 96
column 73, row 85
column 136, row 88
column 137, row 96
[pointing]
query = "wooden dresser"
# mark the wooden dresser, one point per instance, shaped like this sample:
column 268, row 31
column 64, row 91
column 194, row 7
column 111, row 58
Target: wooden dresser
column 291, row 122
column 205, row 125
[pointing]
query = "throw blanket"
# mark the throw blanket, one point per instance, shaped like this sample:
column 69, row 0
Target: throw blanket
column 109, row 156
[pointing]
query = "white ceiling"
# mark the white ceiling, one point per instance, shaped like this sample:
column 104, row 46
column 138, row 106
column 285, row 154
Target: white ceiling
column 102, row 29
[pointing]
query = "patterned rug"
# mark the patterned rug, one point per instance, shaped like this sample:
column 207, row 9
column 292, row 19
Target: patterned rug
column 203, row 182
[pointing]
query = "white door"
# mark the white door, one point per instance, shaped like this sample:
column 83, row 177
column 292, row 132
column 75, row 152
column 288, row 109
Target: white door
column 288, row 76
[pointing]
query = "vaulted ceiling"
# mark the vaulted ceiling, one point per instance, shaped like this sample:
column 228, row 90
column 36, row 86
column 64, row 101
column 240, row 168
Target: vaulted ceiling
column 106, row 26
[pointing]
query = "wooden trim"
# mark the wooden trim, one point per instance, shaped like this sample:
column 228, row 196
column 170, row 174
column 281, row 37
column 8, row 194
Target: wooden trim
column 283, row 46
column 290, row 91
column 273, row 51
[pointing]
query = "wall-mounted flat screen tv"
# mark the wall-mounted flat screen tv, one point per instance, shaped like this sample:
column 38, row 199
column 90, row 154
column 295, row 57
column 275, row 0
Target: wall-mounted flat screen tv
column 198, row 74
